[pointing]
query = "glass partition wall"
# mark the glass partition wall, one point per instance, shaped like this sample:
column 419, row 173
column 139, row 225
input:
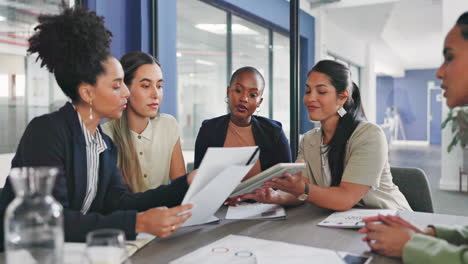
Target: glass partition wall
column 26, row 90
column 211, row 44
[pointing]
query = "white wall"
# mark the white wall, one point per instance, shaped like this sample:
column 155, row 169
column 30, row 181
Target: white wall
column 387, row 62
column 332, row 39
column 345, row 45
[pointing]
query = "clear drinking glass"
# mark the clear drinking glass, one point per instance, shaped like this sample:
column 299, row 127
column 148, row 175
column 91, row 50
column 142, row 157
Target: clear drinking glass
column 34, row 220
column 106, row 246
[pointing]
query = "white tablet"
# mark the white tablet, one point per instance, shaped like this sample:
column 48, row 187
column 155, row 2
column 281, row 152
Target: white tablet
column 276, row 171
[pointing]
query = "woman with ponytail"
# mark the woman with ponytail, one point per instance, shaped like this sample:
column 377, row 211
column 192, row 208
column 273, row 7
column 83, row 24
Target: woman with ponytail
column 346, row 158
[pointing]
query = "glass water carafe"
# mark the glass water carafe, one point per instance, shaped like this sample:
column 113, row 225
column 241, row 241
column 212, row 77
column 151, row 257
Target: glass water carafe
column 33, row 220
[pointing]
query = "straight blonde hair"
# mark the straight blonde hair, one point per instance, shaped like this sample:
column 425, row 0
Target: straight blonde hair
column 127, row 160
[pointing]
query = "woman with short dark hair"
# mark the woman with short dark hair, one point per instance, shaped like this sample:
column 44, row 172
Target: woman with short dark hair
column 241, row 128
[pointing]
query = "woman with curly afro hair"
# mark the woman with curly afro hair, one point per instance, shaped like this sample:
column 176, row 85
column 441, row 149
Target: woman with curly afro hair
column 74, row 46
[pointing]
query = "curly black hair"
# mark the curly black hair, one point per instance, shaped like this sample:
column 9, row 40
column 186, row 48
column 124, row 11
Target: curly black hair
column 72, row 45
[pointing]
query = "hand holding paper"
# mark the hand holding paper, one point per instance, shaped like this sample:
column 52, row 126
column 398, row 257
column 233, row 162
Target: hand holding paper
column 221, row 170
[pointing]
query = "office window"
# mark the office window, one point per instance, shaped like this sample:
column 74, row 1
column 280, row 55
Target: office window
column 353, row 68
column 5, row 85
column 206, row 61
column 250, row 47
column 25, row 88
column 20, row 87
column 201, row 66
column 355, row 74
column 281, row 98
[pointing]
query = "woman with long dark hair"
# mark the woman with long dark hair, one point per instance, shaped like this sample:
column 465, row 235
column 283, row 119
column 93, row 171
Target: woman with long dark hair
column 150, row 153
column 74, row 46
column 346, row 158
column 396, row 237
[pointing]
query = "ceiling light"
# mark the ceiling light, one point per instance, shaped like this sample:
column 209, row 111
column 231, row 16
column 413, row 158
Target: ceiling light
column 204, row 62
column 179, row 54
column 242, row 30
column 2, row 18
column 220, row 29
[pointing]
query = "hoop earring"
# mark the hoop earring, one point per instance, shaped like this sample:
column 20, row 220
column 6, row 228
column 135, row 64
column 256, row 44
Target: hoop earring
column 258, row 110
column 341, row 111
column 91, row 110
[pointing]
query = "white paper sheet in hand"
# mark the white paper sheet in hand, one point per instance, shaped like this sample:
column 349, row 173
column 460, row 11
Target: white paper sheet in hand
column 215, row 161
column 212, row 196
column 353, row 217
column 221, row 170
column 255, row 211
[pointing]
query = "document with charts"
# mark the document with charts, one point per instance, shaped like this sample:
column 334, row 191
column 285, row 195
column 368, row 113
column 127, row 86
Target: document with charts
column 353, row 218
column 234, row 249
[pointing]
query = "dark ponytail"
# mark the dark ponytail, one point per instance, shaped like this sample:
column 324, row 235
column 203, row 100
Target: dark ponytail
column 340, row 78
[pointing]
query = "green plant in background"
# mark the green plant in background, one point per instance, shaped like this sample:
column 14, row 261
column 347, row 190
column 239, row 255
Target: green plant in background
column 459, row 119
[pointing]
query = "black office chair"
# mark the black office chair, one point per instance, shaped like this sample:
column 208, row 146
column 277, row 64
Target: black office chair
column 415, row 187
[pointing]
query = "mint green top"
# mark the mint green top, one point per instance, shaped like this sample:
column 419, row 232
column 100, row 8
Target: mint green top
column 449, row 246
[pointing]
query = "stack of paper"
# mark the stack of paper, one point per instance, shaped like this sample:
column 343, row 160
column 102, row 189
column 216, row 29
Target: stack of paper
column 353, row 217
column 234, row 249
column 256, row 211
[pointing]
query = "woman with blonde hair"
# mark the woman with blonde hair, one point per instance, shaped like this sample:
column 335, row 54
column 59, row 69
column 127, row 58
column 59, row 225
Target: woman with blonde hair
column 150, row 153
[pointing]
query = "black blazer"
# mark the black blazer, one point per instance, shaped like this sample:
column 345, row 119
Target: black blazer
column 56, row 139
column 268, row 135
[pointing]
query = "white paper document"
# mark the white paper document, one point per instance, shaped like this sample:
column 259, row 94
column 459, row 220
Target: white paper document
column 235, row 249
column 353, row 217
column 221, row 170
column 256, row 211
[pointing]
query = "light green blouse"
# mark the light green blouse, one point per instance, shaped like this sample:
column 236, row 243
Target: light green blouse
column 449, row 246
column 366, row 163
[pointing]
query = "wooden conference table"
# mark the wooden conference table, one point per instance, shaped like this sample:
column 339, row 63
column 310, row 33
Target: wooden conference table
column 300, row 227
